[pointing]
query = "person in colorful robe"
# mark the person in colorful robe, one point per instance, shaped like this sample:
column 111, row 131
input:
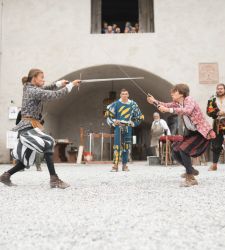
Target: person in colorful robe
column 216, row 110
column 123, row 115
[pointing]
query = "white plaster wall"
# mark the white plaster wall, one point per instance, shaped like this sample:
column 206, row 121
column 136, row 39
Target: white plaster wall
column 55, row 35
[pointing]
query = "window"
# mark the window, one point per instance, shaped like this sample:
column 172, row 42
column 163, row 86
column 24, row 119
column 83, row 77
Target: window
column 122, row 13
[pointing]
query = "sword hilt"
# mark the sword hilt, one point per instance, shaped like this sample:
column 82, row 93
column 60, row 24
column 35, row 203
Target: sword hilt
column 154, row 103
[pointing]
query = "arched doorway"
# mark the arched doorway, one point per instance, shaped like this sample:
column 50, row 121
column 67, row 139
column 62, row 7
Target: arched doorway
column 84, row 108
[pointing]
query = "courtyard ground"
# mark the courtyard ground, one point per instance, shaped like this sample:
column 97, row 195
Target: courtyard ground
column 141, row 209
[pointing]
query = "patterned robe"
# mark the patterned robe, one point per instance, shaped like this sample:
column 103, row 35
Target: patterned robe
column 128, row 114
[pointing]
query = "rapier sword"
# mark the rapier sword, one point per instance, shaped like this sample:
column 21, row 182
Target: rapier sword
column 111, row 79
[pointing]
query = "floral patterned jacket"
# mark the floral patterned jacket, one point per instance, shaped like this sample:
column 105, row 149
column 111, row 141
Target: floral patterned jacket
column 193, row 111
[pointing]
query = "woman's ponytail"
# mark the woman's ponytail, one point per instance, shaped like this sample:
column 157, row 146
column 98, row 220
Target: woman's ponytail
column 24, row 80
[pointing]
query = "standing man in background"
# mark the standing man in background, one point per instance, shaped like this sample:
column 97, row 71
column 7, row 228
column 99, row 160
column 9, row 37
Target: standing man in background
column 123, row 114
column 159, row 128
column 216, row 110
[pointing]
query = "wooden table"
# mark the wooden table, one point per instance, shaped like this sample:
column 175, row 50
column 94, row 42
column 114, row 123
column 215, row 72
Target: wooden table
column 60, row 151
column 72, row 156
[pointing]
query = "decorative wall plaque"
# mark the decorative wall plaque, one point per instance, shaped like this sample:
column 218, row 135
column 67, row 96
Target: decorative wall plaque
column 208, row 73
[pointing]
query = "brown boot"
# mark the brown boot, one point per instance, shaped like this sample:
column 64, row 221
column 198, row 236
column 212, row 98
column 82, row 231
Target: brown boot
column 195, row 173
column 114, row 168
column 55, row 182
column 213, row 167
column 5, row 179
column 125, row 168
column 189, row 181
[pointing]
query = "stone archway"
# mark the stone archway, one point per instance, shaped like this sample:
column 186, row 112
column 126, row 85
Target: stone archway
column 84, row 108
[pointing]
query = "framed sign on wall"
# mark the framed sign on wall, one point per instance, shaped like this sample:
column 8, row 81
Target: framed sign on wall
column 208, row 73
column 13, row 112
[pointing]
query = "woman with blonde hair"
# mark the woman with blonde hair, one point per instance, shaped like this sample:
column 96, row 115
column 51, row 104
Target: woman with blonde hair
column 31, row 139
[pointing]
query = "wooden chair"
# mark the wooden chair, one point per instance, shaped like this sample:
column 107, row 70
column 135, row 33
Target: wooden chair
column 165, row 151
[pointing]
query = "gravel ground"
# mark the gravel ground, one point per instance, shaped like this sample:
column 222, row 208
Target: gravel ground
column 142, row 209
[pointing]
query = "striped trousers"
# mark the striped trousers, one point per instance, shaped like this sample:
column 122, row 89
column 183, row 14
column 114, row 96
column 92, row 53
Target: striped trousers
column 29, row 142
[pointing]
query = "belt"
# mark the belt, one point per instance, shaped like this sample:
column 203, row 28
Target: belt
column 34, row 122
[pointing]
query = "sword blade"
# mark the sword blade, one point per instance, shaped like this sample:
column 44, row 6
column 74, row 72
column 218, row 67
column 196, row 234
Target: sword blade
column 111, row 79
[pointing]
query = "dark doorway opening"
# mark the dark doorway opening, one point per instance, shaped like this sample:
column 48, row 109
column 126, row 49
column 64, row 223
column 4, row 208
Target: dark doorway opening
column 120, row 12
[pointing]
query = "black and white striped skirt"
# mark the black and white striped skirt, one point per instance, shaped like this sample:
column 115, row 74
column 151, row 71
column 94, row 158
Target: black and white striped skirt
column 29, row 142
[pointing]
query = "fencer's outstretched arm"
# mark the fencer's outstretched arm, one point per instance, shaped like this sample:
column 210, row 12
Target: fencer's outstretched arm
column 48, row 95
